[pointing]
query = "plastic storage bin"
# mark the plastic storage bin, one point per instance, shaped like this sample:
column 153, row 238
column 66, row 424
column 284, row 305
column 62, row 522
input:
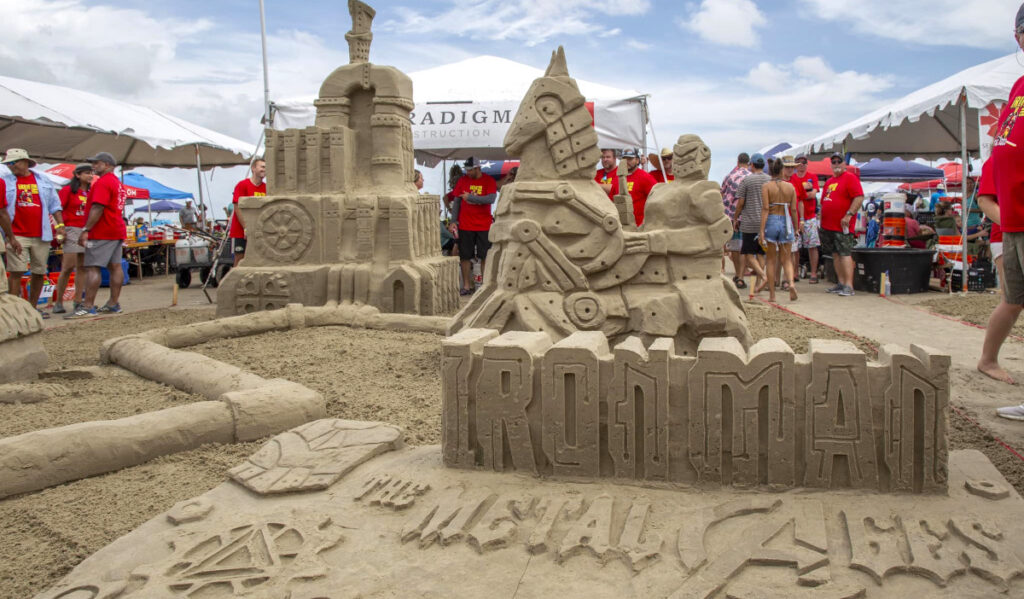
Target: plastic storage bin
column 909, row 269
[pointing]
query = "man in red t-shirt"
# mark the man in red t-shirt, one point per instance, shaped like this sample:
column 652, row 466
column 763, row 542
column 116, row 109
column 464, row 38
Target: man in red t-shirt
column 840, row 203
column 253, row 186
column 103, row 237
column 474, row 194
column 1001, row 197
column 806, row 186
column 31, row 202
column 607, row 175
column 639, row 184
column 660, row 164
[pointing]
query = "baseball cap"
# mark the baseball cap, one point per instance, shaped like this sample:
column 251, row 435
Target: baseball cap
column 836, row 155
column 81, row 168
column 1019, row 22
column 941, row 186
column 103, row 157
column 757, row 160
column 630, row 153
column 470, row 164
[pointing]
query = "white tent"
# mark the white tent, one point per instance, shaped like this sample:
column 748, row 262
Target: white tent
column 61, row 124
column 464, row 109
column 926, row 123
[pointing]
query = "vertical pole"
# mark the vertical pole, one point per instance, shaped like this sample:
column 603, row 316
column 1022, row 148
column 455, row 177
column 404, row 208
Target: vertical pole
column 964, row 203
column 266, row 76
column 199, row 180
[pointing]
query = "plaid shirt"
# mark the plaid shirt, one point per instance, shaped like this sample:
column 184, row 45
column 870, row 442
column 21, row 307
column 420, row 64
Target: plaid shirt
column 729, row 186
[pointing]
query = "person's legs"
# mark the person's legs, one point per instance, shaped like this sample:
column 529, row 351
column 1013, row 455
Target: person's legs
column 14, row 282
column 79, row 277
column 68, row 264
column 812, row 256
column 92, row 286
column 750, row 250
column 17, row 264
column 35, row 288
column 116, row 281
column 238, row 249
column 791, row 269
column 847, row 270
column 467, row 274
column 1006, row 313
column 773, row 261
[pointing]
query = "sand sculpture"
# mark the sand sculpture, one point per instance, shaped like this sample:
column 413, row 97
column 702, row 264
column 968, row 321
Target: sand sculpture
column 342, row 221
column 764, row 417
column 22, row 356
column 561, row 259
column 335, row 508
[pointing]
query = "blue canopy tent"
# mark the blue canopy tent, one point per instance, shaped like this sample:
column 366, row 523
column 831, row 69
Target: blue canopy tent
column 897, row 169
column 157, row 191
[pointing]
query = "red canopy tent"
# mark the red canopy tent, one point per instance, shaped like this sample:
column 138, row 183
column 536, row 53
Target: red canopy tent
column 954, row 178
column 67, row 171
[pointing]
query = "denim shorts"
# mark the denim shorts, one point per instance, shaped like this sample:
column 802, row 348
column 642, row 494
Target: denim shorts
column 777, row 229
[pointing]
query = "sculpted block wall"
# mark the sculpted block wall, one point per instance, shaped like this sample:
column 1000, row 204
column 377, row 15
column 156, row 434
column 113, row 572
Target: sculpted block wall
column 342, row 221
column 22, row 355
column 765, row 417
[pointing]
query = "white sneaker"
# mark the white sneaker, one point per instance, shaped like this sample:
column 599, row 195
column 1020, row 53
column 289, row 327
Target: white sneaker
column 1011, row 412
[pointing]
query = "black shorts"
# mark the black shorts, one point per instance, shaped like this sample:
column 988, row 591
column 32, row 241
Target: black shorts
column 750, row 244
column 238, row 246
column 473, row 244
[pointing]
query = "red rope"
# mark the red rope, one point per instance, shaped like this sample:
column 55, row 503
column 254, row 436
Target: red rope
column 851, row 335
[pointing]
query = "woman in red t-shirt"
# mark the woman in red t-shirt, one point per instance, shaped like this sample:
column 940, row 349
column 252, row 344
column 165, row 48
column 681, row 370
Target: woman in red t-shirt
column 73, row 199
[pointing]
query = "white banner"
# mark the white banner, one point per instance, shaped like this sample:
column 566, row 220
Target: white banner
column 988, row 118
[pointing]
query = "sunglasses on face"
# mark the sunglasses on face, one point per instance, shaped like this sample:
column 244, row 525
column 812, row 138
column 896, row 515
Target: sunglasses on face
column 837, row 161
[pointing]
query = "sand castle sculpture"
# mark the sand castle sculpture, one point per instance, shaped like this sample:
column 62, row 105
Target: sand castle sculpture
column 342, row 221
column 562, row 261
column 336, row 508
column 22, row 355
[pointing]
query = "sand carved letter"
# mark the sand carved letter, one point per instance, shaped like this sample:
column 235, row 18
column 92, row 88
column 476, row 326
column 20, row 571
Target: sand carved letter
column 497, row 527
column 754, row 441
column 506, row 388
column 638, row 409
column 592, row 531
column 571, row 393
column 990, row 554
column 932, row 555
column 391, row 491
column 548, row 511
column 916, row 411
column 874, row 542
column 840, row 439
column 637, row 549
column 446, row 520
column 460, row 367
column 690, row 540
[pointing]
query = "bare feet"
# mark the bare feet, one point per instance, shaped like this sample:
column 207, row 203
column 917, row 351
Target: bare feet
column 761, row 286
column 995, row 371
column 771, row 298
column 792, row 293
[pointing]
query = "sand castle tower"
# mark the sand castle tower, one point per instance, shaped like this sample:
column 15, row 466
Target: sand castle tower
column 342, row 221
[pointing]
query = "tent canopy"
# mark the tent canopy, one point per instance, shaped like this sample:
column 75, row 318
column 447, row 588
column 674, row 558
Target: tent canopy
column 157, row 190
column 62, row 124
column 161, row 206
column 925, row 123
column 457, row 116
column 779, row 148
column 897, row 169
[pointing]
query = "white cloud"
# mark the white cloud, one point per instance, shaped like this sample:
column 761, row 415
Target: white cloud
column 977, row 23
column 638, row 45
column 727, row 22
column 770, row 103
column 529, row 21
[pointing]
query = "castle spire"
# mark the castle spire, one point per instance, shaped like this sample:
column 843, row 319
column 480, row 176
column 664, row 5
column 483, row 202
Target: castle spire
column 360, row 36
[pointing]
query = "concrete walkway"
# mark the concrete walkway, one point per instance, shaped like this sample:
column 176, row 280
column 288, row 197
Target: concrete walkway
column 902, row 323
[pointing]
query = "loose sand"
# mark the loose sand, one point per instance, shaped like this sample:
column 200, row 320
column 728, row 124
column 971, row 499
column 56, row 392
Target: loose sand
column 368, row 375
column 974, row 308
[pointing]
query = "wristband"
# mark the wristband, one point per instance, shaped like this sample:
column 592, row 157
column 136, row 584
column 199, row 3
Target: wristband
column 58, row 226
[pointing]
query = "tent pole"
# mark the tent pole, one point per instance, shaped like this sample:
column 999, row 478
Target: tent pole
column 199, row 180
column 661, row 164
column 266, row 76
column 964, row 203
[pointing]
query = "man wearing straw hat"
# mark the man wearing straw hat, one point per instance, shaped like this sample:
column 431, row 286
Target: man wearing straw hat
column 31, row 200
column 662, row 165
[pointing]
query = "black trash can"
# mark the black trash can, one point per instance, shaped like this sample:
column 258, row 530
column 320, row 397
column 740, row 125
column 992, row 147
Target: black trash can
column 909, row 269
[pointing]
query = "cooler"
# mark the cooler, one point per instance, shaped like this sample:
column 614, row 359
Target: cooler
column 909, row 269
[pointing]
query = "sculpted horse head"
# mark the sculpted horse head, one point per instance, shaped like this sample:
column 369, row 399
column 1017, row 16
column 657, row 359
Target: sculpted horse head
column 553, row 132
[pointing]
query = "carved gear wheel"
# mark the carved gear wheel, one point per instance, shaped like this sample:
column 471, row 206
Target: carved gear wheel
column 585, row 310
column 286, row 231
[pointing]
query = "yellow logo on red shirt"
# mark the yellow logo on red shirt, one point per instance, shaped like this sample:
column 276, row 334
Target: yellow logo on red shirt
column 629, row 186
column 1015, row 110
column 828, row 190
column 27, row 192
column 257, row 194
column 477, row 190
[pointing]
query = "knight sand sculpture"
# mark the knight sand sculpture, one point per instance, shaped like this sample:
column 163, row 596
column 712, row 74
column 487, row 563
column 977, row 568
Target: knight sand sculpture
column 611, row 370
column 342, row 221
column 561, row 259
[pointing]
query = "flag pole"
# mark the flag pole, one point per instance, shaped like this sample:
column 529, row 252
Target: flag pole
column 266, row 76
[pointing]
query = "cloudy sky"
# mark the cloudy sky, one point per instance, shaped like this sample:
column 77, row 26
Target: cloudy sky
column 741, row 74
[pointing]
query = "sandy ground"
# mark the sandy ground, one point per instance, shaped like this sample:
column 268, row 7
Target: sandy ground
column 364, row 374
column 972, row 307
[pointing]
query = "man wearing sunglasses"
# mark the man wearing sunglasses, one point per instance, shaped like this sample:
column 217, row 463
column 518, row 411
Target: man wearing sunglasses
column 840, row 203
